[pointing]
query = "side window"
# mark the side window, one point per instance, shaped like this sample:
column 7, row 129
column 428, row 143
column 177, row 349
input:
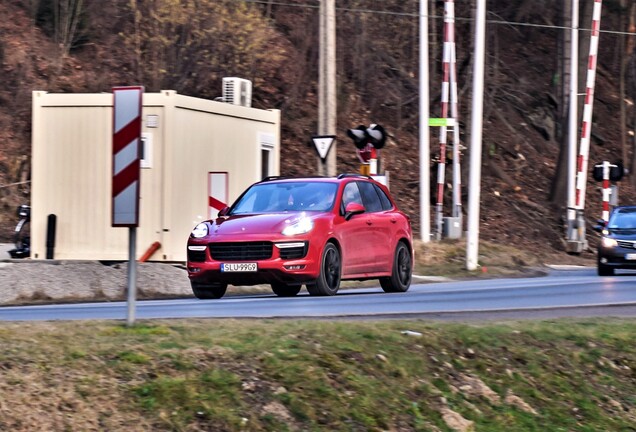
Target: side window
column 370, row 197
column 350, row 194
column 386, row 202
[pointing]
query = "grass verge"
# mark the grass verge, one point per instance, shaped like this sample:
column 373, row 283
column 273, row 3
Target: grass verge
column 232, row 375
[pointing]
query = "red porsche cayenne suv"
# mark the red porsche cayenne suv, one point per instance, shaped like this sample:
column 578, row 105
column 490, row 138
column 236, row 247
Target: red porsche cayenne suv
column 313, row 231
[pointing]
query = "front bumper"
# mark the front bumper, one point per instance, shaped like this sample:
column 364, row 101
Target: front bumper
column 274, row 269
column 617, row 257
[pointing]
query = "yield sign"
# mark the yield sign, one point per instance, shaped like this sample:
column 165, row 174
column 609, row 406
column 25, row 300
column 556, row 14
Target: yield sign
column 323, row 144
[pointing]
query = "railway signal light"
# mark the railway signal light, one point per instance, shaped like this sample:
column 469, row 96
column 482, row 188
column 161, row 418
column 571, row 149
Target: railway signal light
column 616, row 172
column 377, row 135
column 359, row 136
column 363, row 135
column 368, row 142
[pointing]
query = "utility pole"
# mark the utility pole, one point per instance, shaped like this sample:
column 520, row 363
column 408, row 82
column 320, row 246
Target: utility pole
column 474, row 192
column 327, row 83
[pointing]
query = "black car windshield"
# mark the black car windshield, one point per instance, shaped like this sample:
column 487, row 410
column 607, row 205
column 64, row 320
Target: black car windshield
column 286, row 196
column 623, row 219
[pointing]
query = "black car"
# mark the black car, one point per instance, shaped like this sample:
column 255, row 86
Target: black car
column 617, row 248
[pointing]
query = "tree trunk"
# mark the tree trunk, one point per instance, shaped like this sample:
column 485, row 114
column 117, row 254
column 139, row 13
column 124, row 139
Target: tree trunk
column 623, row 58
column 631, row 49
column 433, row 43
column 559, row 185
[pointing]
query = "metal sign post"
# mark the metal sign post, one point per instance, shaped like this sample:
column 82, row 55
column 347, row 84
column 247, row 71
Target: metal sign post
column 127, row 103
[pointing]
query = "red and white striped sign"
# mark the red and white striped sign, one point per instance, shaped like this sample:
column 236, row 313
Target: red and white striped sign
column 217, row 192
column 126, row 155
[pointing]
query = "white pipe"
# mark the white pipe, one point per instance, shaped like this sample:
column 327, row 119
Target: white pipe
column 472, row 245
column 573, row 117
column 425, row 210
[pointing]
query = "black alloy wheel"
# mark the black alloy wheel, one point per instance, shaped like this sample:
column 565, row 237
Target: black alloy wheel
column 328, row 280
column 400, row 279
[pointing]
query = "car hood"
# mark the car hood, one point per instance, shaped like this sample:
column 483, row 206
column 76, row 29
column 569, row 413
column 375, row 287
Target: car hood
column 623, row 234
column 256, row 223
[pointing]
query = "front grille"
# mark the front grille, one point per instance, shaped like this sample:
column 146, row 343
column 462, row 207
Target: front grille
column 294, row 252
column 626, row 244
column 246, row 251
column 196, row 256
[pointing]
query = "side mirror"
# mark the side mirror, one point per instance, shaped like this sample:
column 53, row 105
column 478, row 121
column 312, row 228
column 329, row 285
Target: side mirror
column 353, row 209
column 224, row 211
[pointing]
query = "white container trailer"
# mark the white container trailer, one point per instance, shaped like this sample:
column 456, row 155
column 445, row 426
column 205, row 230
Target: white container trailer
column 197, row 154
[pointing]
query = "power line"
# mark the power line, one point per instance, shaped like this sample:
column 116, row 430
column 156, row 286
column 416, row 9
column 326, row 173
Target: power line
column 414, row 15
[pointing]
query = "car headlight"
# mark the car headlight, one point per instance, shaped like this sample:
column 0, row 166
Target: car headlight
column 200, row 231
column 609, row 242
column 303, row 226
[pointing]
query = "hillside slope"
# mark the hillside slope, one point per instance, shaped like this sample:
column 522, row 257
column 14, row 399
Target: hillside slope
column 375, row 51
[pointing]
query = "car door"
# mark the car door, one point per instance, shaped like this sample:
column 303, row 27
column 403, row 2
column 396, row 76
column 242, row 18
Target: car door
column 355, row 236
column 380, row 225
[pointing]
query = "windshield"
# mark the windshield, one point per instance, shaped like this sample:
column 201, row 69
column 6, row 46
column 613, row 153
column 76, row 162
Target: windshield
column 623, row 219
column 281, row 197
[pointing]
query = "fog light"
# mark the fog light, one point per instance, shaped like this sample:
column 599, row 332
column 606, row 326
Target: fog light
column 294, row 267
column 603, row 260
column 194, row 269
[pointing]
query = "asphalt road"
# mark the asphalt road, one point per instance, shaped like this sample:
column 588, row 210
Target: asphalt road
column 576, row 292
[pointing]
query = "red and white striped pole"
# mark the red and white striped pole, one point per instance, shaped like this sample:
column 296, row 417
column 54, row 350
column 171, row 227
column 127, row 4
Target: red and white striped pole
column 582, row 163
column 606, row 190
column 457, row 178
column 446, row 62
column 584, row 150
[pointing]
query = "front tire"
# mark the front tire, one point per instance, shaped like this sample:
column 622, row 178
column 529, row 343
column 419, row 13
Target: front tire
column 208, row 291
column 400, row 279
column 284, row 290
column 328, row 280
column 604, row 270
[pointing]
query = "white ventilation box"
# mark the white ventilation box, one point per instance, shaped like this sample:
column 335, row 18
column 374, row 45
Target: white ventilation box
column 237, row 91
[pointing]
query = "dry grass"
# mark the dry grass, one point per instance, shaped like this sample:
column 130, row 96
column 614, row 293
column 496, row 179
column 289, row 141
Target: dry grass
column 265, row 375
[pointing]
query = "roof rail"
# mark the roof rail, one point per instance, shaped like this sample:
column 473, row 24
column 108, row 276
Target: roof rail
column 345, row 175
column 269, row 178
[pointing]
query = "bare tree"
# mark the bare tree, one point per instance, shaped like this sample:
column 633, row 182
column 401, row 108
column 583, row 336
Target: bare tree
column 67, row 17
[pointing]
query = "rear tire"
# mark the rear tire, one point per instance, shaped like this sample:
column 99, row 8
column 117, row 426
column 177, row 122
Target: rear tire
column 284, row 290
column 400, row 279
column 328, row 280
column 208, row 291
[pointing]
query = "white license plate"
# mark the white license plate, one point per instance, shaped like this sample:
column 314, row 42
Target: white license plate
column 239, row 267
column 631, row 256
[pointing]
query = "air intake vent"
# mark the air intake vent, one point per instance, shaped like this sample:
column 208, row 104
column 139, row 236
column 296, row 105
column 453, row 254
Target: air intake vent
column 247, row 251
column 237, row 91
